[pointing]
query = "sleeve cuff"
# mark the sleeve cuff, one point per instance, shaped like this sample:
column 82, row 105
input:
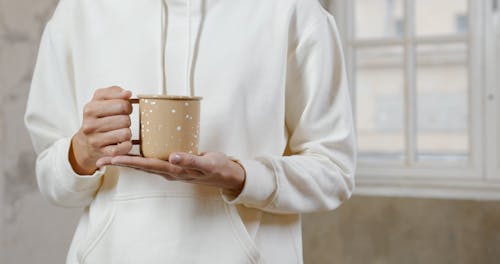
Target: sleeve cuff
column 259, row 188
column 68, row 178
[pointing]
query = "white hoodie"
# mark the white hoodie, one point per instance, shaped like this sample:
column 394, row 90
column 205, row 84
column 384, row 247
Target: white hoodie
column 272, row 76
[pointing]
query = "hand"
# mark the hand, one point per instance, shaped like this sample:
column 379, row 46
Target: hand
column 105, row 130
column 209, row 168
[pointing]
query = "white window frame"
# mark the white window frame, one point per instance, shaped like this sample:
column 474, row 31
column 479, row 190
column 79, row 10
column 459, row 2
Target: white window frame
column 479, row 178
column 492, row 91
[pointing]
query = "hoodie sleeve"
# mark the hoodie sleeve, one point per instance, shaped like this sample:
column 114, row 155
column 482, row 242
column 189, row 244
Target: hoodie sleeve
column 51, row 119
column 319, row 172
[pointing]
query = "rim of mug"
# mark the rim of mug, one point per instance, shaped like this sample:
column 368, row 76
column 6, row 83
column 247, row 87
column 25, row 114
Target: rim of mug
column 169, row 97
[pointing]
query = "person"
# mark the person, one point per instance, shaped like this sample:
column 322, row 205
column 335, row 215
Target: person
column 276, row 133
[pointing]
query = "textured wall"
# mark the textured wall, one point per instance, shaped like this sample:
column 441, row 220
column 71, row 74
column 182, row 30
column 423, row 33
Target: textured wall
column 31, row 230
column 364, row 230
column 404, row 231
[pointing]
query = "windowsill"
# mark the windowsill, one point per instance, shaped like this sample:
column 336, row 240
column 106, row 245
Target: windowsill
column 442, row 188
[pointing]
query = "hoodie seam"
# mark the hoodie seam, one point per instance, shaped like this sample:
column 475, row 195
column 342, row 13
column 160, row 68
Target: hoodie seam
column 237, row 234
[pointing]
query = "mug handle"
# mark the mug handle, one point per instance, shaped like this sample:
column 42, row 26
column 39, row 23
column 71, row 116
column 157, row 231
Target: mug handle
column 135, row 141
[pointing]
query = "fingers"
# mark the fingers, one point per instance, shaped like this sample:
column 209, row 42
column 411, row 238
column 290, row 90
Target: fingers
column 113, row 137
column 105, row 124
column 103, row 162
column 164, row 168
column 113, row 92
column 148, row 164
column 109, row 152
column 156, row 166
column 202, row 163
column 122, row 148
column 107, row 108
column 105, row 129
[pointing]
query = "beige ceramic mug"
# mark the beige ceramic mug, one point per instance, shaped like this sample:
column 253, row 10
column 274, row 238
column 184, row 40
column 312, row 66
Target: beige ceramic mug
column 168, row 124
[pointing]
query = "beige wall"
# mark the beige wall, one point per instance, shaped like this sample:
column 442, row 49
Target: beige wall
column 364, row 230
column 368, row 230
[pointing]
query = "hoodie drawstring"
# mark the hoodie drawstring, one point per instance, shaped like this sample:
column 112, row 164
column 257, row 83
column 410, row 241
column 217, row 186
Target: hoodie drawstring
column 189, row 62
column 163, row 46
column 189, row 89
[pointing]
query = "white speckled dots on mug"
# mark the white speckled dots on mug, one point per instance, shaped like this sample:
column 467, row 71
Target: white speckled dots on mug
column 168, row 124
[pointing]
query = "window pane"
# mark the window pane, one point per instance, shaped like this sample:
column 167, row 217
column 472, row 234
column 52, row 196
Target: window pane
column 380, row 101
column 441, row 17
column 379, row 18
column 442, row 101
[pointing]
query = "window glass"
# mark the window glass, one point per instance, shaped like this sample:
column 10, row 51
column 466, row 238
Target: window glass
column 442, row 100
column 441, row 17
column 379, row 18
column 380, row 101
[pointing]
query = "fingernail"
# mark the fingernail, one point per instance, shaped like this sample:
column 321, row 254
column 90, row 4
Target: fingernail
column 176, row 158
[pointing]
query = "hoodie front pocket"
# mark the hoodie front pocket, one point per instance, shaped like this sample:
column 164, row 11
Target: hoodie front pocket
column 159, row 228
